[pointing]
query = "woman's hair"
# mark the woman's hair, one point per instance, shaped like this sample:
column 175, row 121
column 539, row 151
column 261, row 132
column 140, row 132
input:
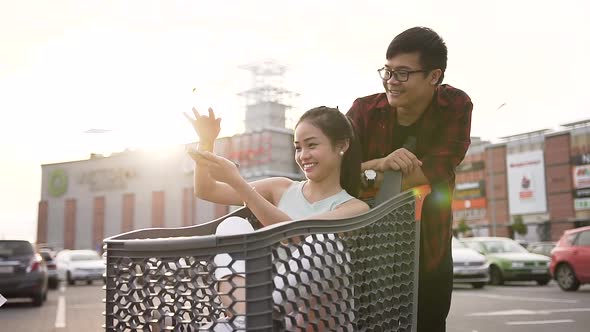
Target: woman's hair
column 339, row 130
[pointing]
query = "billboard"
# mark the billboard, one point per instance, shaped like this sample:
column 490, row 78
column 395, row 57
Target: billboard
column 526, row 182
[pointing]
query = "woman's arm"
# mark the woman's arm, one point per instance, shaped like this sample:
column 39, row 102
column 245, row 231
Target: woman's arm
column 218, row 180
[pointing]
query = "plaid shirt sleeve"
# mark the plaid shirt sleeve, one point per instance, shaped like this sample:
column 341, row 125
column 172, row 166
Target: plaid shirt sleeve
column 452, row 138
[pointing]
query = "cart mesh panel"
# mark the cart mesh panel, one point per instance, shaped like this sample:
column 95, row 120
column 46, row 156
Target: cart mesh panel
column 167, row 294
column 359, row 280
column 353, row 281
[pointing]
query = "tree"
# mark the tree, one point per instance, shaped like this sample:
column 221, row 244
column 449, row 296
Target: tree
column 462, row 227
column 518, row 225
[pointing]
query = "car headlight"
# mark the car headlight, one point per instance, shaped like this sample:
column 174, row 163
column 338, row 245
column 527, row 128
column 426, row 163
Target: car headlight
column 517, row 264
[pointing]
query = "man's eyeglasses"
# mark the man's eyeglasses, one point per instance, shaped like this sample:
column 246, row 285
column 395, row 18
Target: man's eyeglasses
column 399, row 75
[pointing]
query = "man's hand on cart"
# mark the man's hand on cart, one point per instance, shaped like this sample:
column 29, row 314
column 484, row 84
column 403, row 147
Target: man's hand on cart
column 399, row 160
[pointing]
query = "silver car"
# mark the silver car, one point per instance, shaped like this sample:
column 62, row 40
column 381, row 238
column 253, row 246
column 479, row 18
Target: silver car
column 469, row 266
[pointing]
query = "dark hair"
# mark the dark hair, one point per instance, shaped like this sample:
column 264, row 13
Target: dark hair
column 337, row 127
column 430, row 46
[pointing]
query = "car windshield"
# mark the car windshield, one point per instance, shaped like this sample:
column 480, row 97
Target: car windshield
column 84, row 257
column 458, row 244
column 15, row 248
column 493, row 247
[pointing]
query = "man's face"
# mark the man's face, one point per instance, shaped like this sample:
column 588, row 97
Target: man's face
column 418, row 85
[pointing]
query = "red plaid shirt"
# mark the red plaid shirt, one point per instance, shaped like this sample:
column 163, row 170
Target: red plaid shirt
column 443, row 136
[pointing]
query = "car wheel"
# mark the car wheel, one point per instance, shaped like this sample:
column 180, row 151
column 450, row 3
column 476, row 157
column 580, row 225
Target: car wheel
column 88, row 282
column 543, row 282
column 70, row 280
column 478, row 285
column 566, row 278
column 496, row 277
column 38, row 299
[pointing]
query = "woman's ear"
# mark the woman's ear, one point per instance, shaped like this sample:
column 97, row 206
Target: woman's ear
column 343, row 146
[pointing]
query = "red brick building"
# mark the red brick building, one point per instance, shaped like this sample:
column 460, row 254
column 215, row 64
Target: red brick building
column 541, row 178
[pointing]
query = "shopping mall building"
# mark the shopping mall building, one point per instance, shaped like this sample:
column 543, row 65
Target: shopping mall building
column 541, row 178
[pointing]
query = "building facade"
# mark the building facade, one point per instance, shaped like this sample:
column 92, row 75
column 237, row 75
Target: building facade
column 541, row 179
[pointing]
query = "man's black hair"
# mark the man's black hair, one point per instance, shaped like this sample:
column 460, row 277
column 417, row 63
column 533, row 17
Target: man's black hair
column 430, row 46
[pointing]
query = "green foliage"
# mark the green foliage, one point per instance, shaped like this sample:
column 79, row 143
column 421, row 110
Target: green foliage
column 462, row 227
column 518, row 226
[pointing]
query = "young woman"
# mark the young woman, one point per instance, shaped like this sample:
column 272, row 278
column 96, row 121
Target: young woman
column 325, row 149
column 327, row 152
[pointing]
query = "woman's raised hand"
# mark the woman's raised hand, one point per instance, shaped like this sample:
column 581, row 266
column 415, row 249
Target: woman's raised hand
column 206, row 127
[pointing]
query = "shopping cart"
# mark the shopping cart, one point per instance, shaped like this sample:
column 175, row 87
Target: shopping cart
column 356, row 274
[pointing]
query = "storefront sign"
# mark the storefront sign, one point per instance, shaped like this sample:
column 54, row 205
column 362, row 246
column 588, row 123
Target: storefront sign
column 581, row 176
column 581, row 159
column 581, row 193
column 106, row 178
column 58, row 183
column 581, row 204
column 476, row 203
column 469, row 214
column 526, row 182
column 468, row 167
column 469, row 190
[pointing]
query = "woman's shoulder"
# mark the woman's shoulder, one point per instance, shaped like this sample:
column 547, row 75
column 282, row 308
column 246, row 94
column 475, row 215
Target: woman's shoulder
column 273, row 188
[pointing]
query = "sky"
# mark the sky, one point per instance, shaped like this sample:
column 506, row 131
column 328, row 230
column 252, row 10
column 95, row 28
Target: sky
column 129, row 68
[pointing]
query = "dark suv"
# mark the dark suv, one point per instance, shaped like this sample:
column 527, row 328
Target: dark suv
column 23, row 273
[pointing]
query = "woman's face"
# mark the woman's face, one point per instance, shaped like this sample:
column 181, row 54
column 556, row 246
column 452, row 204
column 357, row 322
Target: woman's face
column 314, row 152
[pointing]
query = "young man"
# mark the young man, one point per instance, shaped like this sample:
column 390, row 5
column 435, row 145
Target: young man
column 421, row 128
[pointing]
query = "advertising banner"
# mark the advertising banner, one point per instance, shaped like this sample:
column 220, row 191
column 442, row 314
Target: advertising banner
column 581, row 176
column 526, row 182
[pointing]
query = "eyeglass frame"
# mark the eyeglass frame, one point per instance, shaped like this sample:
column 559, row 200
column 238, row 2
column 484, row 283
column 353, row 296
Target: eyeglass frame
column 393, row 73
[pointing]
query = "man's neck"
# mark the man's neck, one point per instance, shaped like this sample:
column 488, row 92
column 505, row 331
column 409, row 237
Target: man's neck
column 407, row 116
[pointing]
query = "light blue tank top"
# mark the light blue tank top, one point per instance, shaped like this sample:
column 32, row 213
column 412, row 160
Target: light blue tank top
column 296, row 206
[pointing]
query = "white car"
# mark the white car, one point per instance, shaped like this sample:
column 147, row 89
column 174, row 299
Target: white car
column 73, row 265
column 469, row 266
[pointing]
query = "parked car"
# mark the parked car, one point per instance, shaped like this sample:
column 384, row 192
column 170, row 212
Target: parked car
column 23, row 273
column 74, row 265
column 49, row 258
column 570, row 259
column 541, row 248
column 509, row 261
column 469, row 266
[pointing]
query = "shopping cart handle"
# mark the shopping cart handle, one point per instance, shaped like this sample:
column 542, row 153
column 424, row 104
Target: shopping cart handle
column 390, row 186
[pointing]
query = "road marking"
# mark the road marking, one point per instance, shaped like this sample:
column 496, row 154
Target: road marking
column 516, row 298
column 537, row 322
column 60, row 317
column 527, row 312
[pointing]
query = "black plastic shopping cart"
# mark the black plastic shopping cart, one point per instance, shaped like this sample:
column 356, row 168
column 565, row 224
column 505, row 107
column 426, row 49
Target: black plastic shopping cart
column 356, row 274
